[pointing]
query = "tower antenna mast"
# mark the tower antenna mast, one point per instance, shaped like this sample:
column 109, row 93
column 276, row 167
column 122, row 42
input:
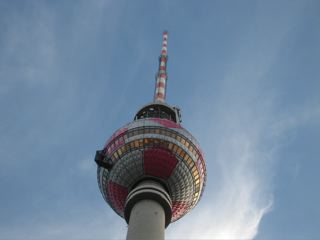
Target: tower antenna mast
column 161, row 76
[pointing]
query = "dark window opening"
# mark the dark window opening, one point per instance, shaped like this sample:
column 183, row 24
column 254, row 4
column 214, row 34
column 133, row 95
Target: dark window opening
column 157, row 111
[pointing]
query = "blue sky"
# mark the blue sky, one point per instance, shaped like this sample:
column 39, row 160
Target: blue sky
column 245, row 73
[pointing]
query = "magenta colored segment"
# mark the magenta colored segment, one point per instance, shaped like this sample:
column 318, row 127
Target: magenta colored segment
column 166, row 123
column 115, row 135
column 179, row 208
column 199, row 166
column 200, row 153
column 117, row 195
column 159, row 163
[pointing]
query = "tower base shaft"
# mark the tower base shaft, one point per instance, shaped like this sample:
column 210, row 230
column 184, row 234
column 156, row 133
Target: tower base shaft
column 147, row 221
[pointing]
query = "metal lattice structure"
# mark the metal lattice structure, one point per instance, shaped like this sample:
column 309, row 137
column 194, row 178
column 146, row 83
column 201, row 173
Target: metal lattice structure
column 154, row 146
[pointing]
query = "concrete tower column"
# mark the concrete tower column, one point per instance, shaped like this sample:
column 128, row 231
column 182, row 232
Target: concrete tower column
column 147, row 211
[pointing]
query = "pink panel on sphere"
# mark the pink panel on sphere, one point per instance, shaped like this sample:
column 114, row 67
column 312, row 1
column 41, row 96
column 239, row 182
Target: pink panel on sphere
column 117, row 195
column 200, row 153
column 178, row 209
column 166, row 123
column 115, row 135
column 159, row 163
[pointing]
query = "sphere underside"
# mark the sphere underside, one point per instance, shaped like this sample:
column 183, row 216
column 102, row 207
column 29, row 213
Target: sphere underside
column 153, row 148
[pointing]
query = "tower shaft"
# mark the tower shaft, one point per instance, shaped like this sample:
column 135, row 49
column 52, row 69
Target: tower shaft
column 148, row 209
column 161, row 77
column 146, row 221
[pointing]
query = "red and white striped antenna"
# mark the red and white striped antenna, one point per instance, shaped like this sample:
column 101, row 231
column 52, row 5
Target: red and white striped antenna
column 161, row 77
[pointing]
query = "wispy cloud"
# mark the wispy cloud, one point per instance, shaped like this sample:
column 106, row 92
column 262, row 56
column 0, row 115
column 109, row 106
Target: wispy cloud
column 28, row 54
column 238, row 193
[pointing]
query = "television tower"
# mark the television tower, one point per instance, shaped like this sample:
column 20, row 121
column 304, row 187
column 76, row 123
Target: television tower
column 151, row 171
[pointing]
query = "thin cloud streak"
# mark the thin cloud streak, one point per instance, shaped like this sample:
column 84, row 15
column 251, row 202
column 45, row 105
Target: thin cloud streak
column 241, row 132
column 234, row 205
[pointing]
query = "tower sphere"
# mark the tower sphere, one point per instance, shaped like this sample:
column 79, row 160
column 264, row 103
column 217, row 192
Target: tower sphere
column 153, row 146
